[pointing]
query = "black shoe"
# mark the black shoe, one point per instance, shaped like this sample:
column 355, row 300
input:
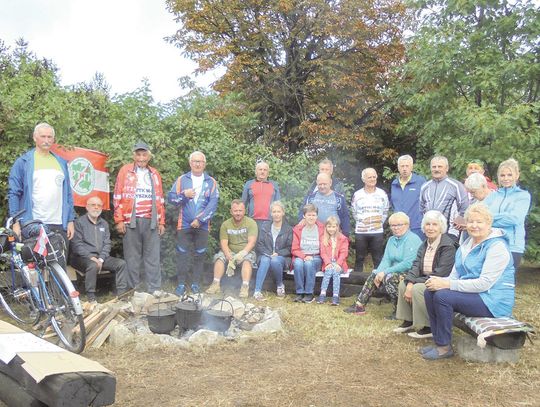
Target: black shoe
column 423, row 333
column 406, row 326
column 309, row 298
column 350, row 309
column 299, row 298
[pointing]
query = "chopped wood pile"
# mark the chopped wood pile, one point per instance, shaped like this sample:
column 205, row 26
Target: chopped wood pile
column 100, row 319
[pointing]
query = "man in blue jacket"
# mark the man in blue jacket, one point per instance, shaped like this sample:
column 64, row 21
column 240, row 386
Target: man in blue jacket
column 197, row 195
column 39, row 183
column 405, row 193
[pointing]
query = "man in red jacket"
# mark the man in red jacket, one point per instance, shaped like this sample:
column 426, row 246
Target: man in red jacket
column 139, row 214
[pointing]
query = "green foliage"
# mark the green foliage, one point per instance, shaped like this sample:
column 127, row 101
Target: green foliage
column 86, row 116
column 471, row 90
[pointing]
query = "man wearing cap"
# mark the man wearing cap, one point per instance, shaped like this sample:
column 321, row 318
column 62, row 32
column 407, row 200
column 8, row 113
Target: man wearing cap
column 197, row 195
column 139, row 214
column 39, row 183
column 259, row 193
column 91, row 248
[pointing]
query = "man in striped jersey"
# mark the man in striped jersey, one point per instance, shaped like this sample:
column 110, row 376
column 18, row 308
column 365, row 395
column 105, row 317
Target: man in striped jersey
column 444, row 194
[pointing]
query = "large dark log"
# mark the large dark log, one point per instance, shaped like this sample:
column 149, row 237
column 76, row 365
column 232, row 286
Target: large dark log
column 66, row 389
column 11, row 394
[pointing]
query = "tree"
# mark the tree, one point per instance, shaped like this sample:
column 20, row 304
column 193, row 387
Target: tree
column 471, row 85
column 313, row 69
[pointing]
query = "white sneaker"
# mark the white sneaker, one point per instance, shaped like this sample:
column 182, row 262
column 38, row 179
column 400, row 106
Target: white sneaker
column 281, row 291
column 258, row 296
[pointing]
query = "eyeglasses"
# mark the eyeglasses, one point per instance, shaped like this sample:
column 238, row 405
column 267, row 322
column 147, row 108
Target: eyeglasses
column 398, row 225
column 198, row 161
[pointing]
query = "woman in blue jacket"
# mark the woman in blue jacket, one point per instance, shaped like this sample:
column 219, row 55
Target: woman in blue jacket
column 481, row 283
column 509, row 206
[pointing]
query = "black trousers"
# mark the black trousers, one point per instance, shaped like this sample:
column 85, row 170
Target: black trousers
column 368, row 243
column 191, row 246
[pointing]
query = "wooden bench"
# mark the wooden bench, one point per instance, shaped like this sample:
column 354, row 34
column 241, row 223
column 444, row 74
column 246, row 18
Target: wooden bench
column 495, row 339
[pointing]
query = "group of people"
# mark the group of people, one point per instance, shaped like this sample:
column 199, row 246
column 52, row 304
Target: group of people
column 454, row 246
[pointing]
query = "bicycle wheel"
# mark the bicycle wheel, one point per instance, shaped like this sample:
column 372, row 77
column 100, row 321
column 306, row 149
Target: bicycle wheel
column 65, row 320
column 16, row 297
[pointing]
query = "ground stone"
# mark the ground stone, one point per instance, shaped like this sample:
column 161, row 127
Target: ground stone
column 271, row 322
column 467, row 349
column 121, row 335
column 205, row 337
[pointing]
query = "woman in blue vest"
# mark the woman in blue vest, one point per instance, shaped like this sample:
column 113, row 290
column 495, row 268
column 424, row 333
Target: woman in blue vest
column 481, row 283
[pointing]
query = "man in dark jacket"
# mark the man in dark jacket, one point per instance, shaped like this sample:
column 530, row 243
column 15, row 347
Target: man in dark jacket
column 405, row 193
column 90, row 249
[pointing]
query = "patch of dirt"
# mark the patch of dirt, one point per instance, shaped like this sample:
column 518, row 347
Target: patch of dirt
column 344, row 367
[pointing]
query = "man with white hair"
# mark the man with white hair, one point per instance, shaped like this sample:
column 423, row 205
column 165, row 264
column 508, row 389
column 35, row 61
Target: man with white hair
column 259, row 193
column 39, row 183
column 91, row 249
column 197, row 195
column 370, row 209
column 405, row 193
column 444, row 194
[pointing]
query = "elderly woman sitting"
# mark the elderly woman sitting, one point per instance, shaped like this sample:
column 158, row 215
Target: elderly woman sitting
column 435, row 257
column 398, row 257
column 481, row 283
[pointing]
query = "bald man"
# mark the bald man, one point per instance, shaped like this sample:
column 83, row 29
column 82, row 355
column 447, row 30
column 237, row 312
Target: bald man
column 328, row 203
column 91, row 247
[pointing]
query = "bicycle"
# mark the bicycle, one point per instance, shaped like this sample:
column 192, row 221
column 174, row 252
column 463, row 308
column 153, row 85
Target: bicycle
column 30, row 293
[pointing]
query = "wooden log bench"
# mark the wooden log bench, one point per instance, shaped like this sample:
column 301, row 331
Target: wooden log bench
column 491, row 339
column 34, row 372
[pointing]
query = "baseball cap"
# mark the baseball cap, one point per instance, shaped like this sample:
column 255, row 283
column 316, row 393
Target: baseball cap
column 141, row 145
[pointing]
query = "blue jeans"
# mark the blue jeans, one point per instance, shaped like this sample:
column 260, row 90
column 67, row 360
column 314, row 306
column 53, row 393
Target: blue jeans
column 335, row 275
column 304, row 274
column 274, row 263
column 441, row 306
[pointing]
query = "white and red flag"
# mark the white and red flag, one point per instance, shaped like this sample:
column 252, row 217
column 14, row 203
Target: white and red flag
column 42, row 242
column 88, row 174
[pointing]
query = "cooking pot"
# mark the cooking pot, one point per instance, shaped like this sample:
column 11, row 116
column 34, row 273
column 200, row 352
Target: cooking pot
column 161, row 321
column 218, row 320
column 188, row 314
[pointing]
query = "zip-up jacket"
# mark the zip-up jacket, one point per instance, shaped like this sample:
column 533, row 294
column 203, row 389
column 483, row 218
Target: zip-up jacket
column 21, row 184
column 447, row 196
column 443, row 261
column 265, row 242
column 91, row 240
column 509, row 207
column 124, row 194
column 342, row 251
column 257, row 196
column 399, row 253
column 487, row 269
column 205, row 207
column 296, row 251
column 408, row 199
column 342, row 211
